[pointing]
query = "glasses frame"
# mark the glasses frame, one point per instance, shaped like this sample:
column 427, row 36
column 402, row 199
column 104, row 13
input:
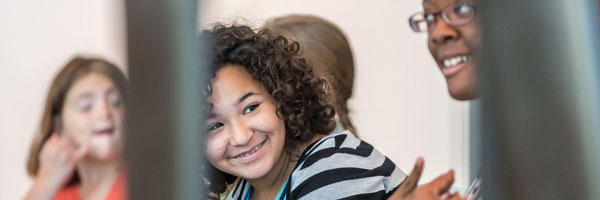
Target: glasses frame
column 442, row 13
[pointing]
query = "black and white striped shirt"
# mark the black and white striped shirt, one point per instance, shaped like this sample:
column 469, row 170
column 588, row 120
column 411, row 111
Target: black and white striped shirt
column 338, row 166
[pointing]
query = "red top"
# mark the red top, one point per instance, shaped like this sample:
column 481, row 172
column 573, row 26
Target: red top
column 118, row 191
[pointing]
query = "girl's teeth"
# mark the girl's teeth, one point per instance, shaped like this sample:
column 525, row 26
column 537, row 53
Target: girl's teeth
column 455, row 61
column 251, row 152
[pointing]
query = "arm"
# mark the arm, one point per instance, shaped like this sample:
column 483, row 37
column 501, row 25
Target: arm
column 434, row 190
column 57, row 163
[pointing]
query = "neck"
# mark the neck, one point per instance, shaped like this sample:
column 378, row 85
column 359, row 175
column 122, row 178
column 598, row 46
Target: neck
column 269, row 186
column 96, row 178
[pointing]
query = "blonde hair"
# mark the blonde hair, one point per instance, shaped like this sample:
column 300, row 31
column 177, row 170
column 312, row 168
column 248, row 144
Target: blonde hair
column 328, row 51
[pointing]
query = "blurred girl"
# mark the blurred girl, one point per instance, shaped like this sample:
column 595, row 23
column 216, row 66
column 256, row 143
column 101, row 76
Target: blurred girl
column 78, row 151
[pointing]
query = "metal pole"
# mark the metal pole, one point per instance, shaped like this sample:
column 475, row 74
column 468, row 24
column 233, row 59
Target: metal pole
column 164, row 118
column 540, row 76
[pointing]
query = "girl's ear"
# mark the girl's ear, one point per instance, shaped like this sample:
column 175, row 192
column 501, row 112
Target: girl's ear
column 57, row 126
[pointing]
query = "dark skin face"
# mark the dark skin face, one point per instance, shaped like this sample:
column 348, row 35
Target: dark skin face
column 447, row 42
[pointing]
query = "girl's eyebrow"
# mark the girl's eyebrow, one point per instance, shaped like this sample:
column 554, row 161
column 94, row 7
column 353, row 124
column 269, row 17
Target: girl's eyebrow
column 211, row 115
column 243, row 98
column 86, row 95
column 111, row 90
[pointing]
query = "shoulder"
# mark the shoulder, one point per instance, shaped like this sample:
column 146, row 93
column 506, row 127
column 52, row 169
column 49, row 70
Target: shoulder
column 68, row 193
column 119, row 189
column 346, row 150
column 240, row 190
column 342, row 142
column 341, row 165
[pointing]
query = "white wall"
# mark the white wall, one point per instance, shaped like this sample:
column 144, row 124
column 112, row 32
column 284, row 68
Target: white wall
column 37, row 38
column 400, row 103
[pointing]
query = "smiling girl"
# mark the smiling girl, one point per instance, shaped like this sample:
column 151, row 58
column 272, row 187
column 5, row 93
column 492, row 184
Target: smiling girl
column 269, row 125
column 78, row 151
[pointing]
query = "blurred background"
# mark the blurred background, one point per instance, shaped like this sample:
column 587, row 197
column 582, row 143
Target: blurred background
column 400, row 103
column 37, row 39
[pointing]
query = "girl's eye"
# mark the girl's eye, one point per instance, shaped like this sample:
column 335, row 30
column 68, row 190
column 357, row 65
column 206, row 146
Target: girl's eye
column 214, row 127
column 84, row 105
column 250, row 108
column 462, row 9
column 114, row 99
column 429, row 17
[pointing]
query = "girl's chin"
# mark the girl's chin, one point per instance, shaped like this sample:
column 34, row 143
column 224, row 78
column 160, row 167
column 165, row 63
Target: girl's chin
column 254, row 172
column 253, row 175
column 105, row 154
column 105, row 157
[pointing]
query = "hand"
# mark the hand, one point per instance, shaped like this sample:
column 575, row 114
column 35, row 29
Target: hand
column 435, row 190
column 58, row 159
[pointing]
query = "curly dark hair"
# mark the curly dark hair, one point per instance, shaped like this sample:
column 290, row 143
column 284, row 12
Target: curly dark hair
column 274, row 61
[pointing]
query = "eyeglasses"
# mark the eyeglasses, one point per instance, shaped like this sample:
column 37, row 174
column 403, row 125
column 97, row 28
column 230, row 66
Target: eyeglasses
column 457, row 14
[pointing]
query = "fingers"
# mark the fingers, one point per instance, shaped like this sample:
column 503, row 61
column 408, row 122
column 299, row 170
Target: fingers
column 52, row 145
column 57, row 141
column 80, row 152
column 61, row 149
column 445, row 196
column 410, row 183
column 54, row 139
column 457, row 196
column 442, row 183
column 450, row 196
column 54, row 136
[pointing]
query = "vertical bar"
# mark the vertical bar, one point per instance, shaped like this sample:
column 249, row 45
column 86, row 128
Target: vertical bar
column 475, row 139
column 540, row 99
column 164, row 112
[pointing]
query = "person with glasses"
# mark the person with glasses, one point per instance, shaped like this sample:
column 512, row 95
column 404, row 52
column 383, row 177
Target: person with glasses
column 454, row 39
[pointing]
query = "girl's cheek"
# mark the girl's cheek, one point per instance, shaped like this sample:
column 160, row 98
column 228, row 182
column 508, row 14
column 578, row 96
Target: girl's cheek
column 215, row 148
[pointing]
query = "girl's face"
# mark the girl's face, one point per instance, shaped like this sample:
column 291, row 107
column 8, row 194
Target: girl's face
column 245, row 136
column 93, row 114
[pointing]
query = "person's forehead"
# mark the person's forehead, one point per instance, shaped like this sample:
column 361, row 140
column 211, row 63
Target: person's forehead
column 91, row 82
column 231, row 83
column 434, row 5
column 445, row 1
